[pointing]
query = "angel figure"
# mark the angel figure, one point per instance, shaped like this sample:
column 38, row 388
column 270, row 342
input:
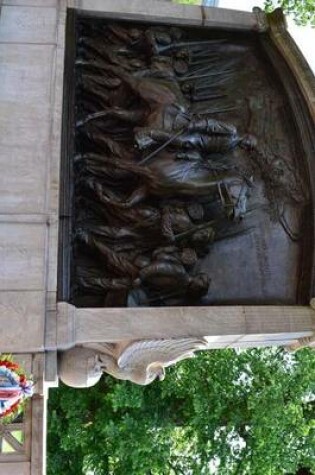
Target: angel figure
column 140, row 362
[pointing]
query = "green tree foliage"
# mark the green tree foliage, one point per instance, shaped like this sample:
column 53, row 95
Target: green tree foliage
column 303, row 11
column 252, row 412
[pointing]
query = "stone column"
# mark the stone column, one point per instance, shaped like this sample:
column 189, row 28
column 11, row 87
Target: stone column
column 28, row 212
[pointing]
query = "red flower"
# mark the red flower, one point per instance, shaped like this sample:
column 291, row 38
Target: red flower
column 9, row 365
column 15, row 405
column 11, row 409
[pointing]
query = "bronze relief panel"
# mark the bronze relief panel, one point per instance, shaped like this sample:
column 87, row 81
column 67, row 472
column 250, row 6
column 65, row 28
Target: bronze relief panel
column 188, row 186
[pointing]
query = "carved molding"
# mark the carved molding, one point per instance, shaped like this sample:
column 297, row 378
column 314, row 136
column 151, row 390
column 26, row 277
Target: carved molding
column 225, row 325
column 171, row 13
column 262, row 22
column 290, row 52
column 66, row 326
column 303, row 343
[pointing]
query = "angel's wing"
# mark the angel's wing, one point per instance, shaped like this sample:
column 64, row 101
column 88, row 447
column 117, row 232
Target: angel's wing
column 140, row 354
column 107, row 348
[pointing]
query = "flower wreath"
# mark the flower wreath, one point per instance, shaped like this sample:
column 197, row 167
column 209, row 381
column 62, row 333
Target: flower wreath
column 15, row 388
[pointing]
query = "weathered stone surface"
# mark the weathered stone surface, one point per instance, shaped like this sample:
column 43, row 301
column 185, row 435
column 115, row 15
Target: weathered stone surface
column 22, row 314
column 24, row 123
column 38, row 436
column 22, row 256
column 20, row 24
column 31, row 3
column 137, row 9
column 15, row 468
column 230, row 19
column 54, row 164
column 225, row 325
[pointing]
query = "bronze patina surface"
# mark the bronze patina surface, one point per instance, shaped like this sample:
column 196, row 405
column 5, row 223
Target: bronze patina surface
column 188, row 182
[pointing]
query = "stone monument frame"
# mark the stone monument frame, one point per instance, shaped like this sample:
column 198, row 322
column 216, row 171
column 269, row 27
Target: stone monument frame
column 254, row 326
column 37, row 323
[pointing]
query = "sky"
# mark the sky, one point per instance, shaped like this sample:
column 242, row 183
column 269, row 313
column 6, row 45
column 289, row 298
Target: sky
column 303, row 36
